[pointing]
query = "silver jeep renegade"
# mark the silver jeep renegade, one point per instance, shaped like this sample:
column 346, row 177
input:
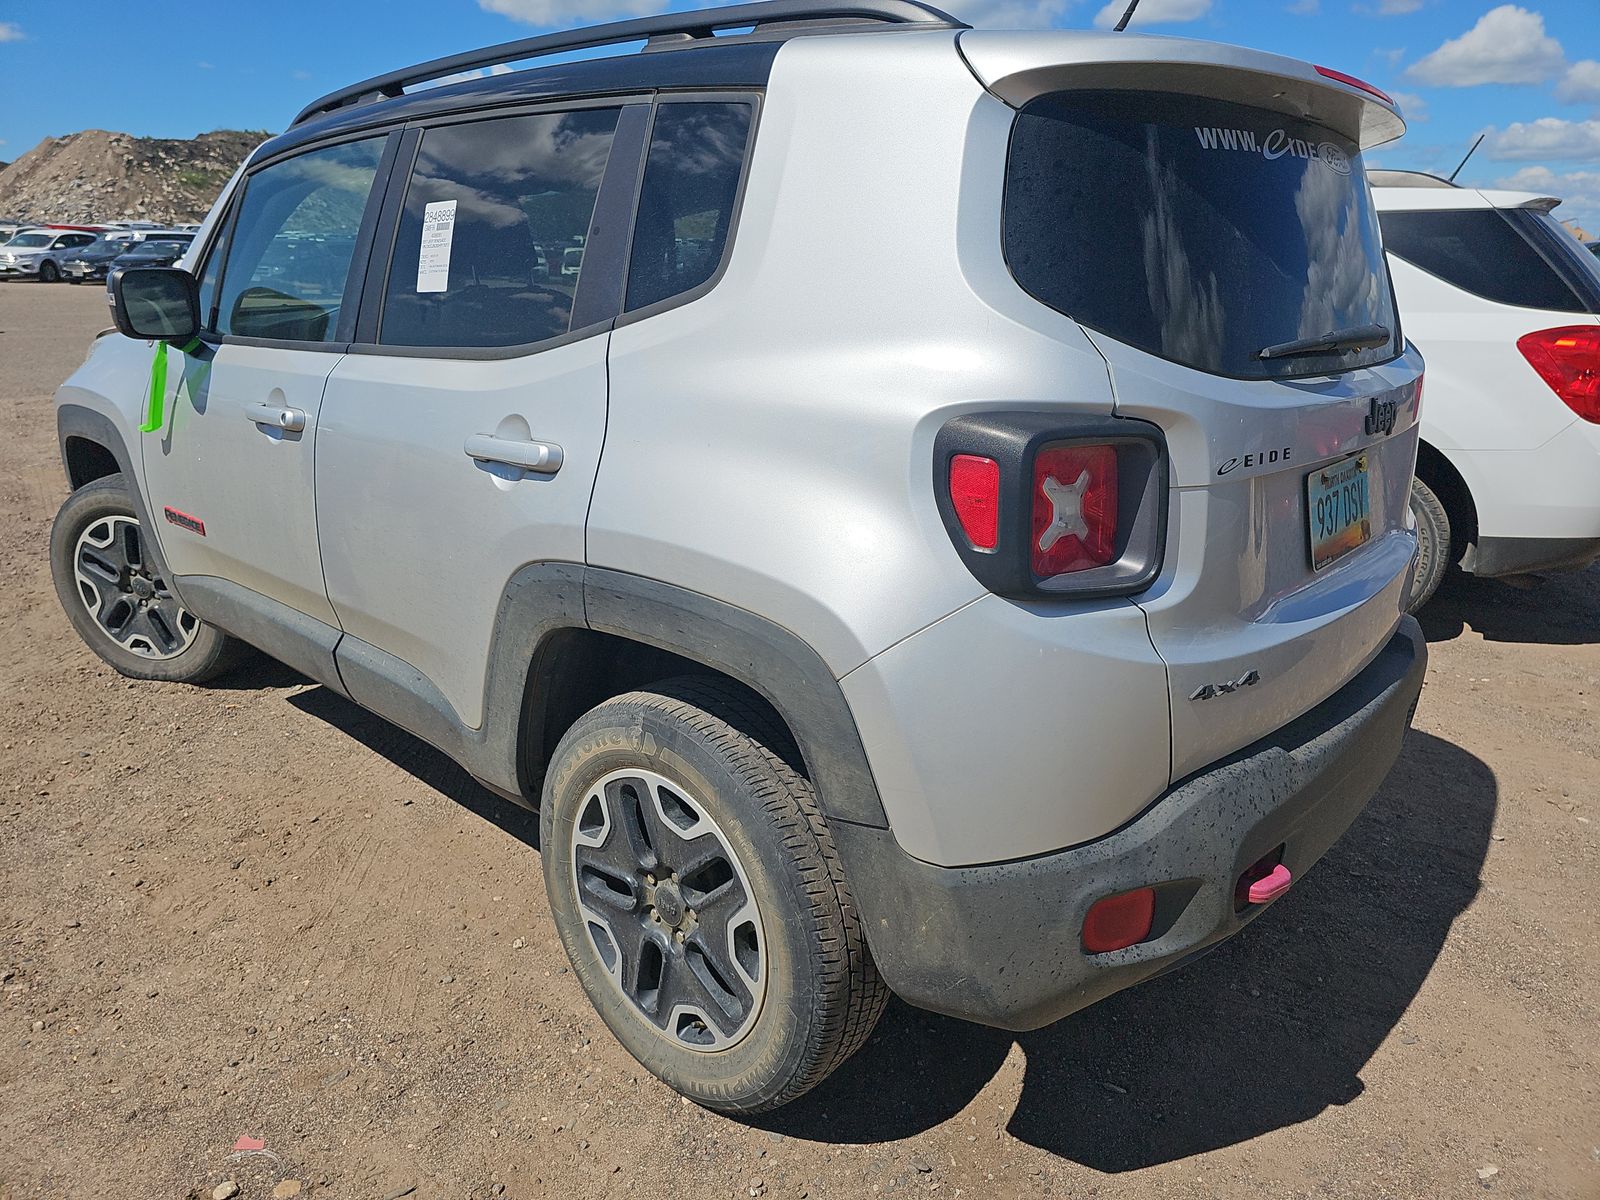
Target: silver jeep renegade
column 915, row 508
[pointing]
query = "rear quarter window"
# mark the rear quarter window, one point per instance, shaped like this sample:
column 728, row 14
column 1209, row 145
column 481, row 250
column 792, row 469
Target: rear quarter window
column 1483, row 252
column 1199, row 230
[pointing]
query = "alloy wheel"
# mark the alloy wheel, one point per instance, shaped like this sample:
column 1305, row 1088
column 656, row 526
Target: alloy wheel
column 127, row 599
column 669, row 910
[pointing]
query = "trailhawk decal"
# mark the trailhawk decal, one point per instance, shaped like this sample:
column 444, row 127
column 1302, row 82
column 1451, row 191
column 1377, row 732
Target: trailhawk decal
column 1275, row 145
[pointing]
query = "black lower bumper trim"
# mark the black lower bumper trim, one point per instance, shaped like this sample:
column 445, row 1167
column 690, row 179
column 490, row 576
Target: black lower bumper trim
column 1524, row 556
column 1001, row 945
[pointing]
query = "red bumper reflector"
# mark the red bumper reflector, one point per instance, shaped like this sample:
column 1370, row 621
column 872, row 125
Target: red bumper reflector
column 1117, row 922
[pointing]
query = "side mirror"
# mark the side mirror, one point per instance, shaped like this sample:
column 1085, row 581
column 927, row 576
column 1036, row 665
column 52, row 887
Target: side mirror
column 156, row 302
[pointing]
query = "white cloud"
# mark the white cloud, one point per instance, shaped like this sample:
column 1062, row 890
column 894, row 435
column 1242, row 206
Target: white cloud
column 1507, row 45
column 1152, row 12
column 1007, row 14
column 571, row 12
column 1581, row 83
column 1398, row 8
column 1548, row 138
column 10, row 32
column 1305, row 8
column 1412, row 106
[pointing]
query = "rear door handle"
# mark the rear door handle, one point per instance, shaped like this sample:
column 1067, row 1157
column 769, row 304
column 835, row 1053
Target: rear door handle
column 541, row 457
column 290, row 420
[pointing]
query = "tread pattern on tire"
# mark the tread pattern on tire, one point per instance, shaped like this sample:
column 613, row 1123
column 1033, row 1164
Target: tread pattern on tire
column 1434, row 547
column 738, row 727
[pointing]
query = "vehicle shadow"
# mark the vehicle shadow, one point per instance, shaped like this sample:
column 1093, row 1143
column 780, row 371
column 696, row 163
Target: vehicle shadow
column 1557, row 610
column 1268, row 1031
column 414, row 756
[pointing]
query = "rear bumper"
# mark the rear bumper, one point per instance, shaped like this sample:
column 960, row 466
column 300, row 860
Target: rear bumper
column 1001, row 945
column 1492, row 556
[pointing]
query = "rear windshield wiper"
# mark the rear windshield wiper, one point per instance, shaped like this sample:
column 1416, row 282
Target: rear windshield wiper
column 1362, row 337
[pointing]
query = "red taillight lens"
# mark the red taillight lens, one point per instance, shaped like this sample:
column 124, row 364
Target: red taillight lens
column 1117, row 922
column 1352, row 81
column 975, row 493
column 1568, row 359
column 1074, row 509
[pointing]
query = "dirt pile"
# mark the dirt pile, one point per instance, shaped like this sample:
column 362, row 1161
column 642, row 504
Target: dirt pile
column 100, row 176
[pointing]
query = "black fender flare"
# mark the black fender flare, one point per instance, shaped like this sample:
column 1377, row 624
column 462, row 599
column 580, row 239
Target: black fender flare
column 80, row 421
column 543, row 600
column 762, row 655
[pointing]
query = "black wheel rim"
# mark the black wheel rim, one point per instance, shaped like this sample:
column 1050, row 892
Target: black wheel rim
column 668, row 910
column 124, row 596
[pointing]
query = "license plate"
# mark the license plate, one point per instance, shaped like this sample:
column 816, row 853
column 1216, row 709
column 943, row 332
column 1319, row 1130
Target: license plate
column 1338, row 510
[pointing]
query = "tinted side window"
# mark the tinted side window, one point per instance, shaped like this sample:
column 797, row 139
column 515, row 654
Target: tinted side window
column 490, row 245
column 289, row 259
column 1479, row 252
column 691, row 181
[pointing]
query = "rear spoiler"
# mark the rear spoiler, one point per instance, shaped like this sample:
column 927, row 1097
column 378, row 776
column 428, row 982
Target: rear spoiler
column 1017, row 67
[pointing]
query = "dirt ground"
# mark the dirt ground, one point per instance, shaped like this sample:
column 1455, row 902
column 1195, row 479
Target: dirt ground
column 254, row 910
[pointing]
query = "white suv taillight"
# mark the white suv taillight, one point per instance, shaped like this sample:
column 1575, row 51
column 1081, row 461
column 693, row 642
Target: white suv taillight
column 1041, row 503
column 1568, row 359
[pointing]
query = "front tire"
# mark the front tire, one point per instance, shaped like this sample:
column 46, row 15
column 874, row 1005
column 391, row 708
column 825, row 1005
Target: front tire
column 49, row 273
column 695, row 886
column 112, row 588
column 1433, row 544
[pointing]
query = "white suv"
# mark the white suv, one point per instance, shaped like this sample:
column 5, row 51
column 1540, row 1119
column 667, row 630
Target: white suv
column 1505, row 303
column 913, row 507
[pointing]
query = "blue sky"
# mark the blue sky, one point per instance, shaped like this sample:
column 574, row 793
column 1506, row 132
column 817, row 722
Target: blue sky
column 1527, row 73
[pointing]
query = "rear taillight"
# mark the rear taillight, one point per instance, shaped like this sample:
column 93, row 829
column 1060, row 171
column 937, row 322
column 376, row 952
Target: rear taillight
column 1074, row 509
column 1568, row 359
column 975, row 493
column 1042, row 503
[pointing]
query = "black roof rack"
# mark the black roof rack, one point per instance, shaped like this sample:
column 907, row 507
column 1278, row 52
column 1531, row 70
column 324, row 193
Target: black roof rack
column 661, row 32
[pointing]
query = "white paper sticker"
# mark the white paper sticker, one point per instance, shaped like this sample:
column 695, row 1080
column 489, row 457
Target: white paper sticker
column 438, row 231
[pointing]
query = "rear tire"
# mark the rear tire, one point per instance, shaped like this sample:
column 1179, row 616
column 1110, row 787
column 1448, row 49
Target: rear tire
column 1433, row 544
column 741, row 985
column 111, row 586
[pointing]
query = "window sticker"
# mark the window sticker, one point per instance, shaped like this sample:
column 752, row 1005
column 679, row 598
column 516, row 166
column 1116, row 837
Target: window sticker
column 438, row 231
column 1274, row 146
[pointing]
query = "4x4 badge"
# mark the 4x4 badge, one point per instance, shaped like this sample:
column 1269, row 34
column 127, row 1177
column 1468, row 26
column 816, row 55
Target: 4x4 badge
column 1380, row 418
column 1211, row 691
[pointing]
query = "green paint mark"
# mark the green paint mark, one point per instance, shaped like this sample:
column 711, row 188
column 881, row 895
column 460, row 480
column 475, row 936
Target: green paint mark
column 155, row 409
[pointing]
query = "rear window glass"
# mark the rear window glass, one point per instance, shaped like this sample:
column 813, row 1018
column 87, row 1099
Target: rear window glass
column 691, row 181
column 491, row 240
column 1199, row 230
column 1482, row 252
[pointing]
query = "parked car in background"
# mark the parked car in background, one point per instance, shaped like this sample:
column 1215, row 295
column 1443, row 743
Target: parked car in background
column 94, row 260
column 1065, row 635
column 1504, row 304
column 154, row 252
column 37, row 253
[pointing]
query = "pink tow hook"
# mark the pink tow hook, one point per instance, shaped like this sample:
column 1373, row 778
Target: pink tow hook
column 1271, row 886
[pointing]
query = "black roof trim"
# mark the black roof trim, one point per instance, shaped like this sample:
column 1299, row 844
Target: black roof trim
column 666, row 31
column 726, row 64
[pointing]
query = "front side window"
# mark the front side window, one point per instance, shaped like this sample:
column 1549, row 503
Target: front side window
column 1199, row 230
column 1484, row 252
column 691, row 182
column 288, row 263
column 490, row 244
